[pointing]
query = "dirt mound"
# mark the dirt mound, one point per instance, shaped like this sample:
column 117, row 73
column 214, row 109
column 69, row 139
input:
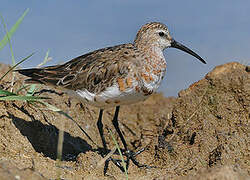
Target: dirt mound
column 202, row 133
column 9, row 171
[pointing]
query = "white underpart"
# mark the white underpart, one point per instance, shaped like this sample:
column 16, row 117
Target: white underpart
column 110, row 97
column 83, row 95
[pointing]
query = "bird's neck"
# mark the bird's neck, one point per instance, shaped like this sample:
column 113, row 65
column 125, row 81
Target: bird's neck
column 157, row 51
column 153, row 67
column 153, row 56
column 151, row 49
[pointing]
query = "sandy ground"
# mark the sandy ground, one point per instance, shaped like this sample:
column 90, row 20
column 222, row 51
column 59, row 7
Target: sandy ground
column 202, row 134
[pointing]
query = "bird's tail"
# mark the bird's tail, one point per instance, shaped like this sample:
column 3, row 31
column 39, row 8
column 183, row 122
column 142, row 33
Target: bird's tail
column 48, row 75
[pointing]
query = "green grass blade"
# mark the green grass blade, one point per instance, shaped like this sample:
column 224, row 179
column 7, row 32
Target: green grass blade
column 22, row 98
column 120, row 152
column 46, row 56
column 21, row 88
column 8, row 38
column 4, row 41
column 6, row 93
column 45, row 60
column 16, row 65
column 32, row 90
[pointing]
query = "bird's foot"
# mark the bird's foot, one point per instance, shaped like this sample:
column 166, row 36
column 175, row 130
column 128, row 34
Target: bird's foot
column 130, row 155
column 106, row 154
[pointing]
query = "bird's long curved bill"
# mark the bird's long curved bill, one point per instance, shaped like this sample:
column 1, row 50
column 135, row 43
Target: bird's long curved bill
column 180, row 46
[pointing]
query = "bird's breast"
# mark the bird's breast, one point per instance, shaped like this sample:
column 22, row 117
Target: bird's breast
column 153, row 72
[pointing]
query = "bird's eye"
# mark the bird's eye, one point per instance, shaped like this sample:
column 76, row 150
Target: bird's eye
column 161, row 34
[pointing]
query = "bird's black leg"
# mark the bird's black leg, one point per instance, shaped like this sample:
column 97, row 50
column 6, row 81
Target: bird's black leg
column 116, row 125
column 100, row 129
column 105, row 151
column 129, row 154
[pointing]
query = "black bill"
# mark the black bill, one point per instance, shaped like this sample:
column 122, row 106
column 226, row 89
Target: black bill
column 180, row 46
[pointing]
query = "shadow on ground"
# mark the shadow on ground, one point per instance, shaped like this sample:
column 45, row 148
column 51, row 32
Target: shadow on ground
column 44, row 139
